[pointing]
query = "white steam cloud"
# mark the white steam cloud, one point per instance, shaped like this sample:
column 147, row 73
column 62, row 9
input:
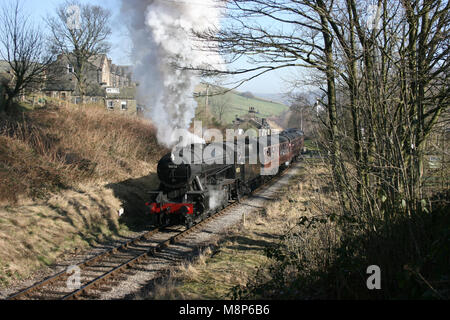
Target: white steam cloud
column 217, row 198
column 161, row 33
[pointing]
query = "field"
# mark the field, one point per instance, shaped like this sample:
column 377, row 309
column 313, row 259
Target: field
column 237, row 104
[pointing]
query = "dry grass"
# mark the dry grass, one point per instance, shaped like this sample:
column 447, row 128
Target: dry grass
column 65, row 172
column 52, row 149
column 33, row 236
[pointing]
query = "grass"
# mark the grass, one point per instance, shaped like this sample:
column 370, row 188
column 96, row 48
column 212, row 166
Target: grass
column 35, row 235
column 311, row 145
column 65, row 172
column 49, row 150
column 239, row 105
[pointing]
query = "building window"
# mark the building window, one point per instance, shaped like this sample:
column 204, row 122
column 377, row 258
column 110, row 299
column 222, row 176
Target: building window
column 124, row 105
column 70, row 69
column 111, row 105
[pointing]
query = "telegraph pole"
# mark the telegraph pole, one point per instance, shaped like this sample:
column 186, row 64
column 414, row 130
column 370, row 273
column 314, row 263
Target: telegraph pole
column 206, row 99
column 301, row 120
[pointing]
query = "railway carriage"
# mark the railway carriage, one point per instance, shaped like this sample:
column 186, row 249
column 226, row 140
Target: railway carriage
column 296, row 142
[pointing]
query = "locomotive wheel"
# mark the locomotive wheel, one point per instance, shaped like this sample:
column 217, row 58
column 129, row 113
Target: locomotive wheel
column 160, row 218
column 189, row 222
column 155, row 219
column 163, row 220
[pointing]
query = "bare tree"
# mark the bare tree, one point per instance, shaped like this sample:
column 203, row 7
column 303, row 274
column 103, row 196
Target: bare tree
column 80, row 32
column 302, row 40
column 302, row 113
column 384, row 75
column 220, row 104
column 384, row 68
column 23, row 48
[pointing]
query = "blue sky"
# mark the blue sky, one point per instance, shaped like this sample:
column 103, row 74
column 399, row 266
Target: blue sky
column 39, row 9
column 268, row 83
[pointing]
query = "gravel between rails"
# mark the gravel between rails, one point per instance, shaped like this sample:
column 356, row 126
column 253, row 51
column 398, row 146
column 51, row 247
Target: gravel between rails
column 155, row 267
column 69, row 259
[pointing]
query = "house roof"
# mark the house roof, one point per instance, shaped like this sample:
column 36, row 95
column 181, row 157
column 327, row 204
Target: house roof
column 67, row 82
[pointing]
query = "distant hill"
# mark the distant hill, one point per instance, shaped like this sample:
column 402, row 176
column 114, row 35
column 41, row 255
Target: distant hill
column 275, row 97
column 238, row 104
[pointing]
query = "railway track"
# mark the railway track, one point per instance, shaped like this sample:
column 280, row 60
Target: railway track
column 101, row 272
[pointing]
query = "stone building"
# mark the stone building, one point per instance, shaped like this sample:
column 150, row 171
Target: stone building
column 102, row 77
column 122, row 99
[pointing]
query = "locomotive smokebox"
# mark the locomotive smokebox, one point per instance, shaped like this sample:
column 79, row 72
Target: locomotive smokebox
column 174, row 175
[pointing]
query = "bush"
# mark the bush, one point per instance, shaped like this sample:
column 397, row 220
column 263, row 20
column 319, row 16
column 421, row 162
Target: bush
column 312, row 262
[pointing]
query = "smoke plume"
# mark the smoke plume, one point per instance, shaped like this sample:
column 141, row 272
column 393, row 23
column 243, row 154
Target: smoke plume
column 161, row 33
column 217, row 198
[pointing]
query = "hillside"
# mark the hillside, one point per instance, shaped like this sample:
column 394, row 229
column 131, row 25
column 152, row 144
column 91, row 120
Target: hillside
column 234, row 103
column 65, row 172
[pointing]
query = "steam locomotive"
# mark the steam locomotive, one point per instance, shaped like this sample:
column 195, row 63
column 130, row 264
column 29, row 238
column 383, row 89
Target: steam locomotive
column 200, row 180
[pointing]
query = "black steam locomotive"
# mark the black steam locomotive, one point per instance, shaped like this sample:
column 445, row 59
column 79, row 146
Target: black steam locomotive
column 197, row 181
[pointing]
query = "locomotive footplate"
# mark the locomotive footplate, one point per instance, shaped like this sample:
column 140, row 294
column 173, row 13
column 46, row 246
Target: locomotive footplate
column 171, row 208
column 163, row 206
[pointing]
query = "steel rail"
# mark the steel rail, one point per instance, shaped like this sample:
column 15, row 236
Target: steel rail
column 149, row 253
column 52, row 279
